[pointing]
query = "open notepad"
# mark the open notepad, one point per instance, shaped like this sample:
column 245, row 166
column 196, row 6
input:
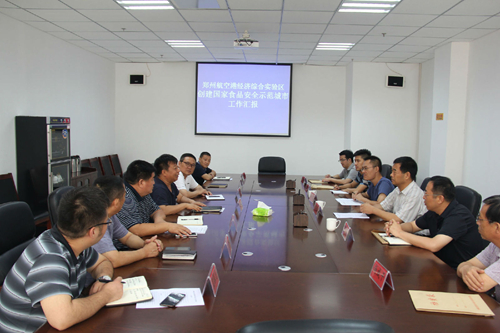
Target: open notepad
column 134, row 290
column 388, row 240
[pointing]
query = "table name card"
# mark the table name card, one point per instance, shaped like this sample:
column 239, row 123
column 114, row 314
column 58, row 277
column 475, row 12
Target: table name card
column 227, row 244
column 381, row 275
column 213, row 277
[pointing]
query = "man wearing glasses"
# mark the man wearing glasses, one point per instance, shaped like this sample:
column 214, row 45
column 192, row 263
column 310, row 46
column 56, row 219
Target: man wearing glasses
column 186, row 184
column 348, row 174
column 379, row 187
column 454, row 235
column 46, row 282
column 482, row 272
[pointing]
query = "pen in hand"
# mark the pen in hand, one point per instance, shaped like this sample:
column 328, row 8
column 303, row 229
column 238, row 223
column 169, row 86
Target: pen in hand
column 107, row 281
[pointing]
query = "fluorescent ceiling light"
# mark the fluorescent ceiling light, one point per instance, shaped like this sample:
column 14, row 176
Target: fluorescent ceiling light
column 148, row 7
column 368, row 5
column 355, row 10
column 334, row 46
column 146, row 2
column 374, row 0
column 145, row 5
column 185, row 43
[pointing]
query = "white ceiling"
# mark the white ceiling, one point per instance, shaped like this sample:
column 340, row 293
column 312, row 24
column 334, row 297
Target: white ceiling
column 288, row 30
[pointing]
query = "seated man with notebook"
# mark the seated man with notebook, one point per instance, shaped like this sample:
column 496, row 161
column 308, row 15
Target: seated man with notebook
column 185, row 183
column 140, row 214
column 482, row 272
column 406, row 202
column 46, row 282
column 165, row 192
column 454, row 237
column 114, row 189
column 358, row 185
column 379, row 187
column 201, row 171
column 348, row 174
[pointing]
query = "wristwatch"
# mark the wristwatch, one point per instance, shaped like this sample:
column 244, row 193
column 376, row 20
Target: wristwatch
column 105, row 277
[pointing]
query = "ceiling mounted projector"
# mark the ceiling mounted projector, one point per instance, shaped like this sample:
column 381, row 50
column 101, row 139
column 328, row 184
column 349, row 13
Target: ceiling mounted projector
column 246, row 42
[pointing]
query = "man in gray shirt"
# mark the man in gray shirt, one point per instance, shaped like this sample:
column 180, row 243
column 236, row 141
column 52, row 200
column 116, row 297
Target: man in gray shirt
column 114, row 189
column 348, row 174
column 482, row 272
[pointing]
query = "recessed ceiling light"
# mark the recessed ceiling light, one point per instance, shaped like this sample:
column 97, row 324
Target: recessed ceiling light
column 145, row 5
column 359, row 10
column 368, row 5
column 185, row 43
column 145, row 2
column 334, row 46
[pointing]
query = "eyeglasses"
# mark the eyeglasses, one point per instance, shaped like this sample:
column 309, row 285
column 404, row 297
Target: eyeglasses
column 105, row 223
column 191, row 165
column 342, row 160
column 366, row 168
column 481, row 220
column 427, row 194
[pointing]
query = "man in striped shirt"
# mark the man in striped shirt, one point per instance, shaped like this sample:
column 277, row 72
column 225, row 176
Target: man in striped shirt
column 46, row 281
column 406, row 202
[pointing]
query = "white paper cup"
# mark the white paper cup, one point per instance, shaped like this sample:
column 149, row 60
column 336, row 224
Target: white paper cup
column 332, row 224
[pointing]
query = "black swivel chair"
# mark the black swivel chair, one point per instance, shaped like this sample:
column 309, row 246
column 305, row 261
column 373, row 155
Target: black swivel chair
column 424, row 183
column 272, row 165
column 18, row 230
column 317, row 326
column 386, row 171
column 53, row 201
column 469, row 198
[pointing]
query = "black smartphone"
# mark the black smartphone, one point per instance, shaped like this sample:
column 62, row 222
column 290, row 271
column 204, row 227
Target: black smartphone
column 172, row 300
column 191, row 235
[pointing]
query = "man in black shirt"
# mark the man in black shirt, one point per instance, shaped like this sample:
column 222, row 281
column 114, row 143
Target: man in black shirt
column 202, row 172
column 454, row 237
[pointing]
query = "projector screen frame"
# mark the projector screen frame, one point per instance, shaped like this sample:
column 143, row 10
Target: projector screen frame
column 236, row 134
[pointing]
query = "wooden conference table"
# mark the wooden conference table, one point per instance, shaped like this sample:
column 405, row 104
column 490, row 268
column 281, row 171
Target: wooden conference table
column 253, row 289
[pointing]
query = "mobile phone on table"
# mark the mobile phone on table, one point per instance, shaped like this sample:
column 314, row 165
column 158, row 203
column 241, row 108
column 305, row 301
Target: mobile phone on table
column 191, row 235
column 172, row 300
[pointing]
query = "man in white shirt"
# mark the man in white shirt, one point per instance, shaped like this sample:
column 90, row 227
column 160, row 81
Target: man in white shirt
column 405, row 203
column 186, row 184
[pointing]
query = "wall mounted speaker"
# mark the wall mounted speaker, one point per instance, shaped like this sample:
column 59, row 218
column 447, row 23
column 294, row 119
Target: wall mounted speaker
column 395, row 81
column 137, row 79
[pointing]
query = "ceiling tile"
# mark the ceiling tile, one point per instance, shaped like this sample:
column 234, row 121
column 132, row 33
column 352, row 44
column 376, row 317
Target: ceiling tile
column 295, row 45
column 476, row 7
column 491, row 23
column 258, row 27
column 303, row 28
column 340, row 39
column 91, row 4
column 177, row 35
column 58, row 15
column 306, row 17
column 424, row 6
column 114, row 44
column 356, row 18
column 95, row 35
column 397, row 54
column 129, row 26
column 389, row 59
column 474, row 33
column 407, row 20
column 45, row 26
column 65, row 35
column 20, row 14
column 212, row 27
column 137, row 35
column 261, row 36
column 392, row 31
column 82, row 43
column 456, row 21
column 409, row 48
column 206, row 15
column 264, row 16
column 5, row 4
column 255, row 4
column 372, row 54
column 342, row 29
column 40, row 4
column 81, row 26
column 381, row 40
column 437, row 32
column 358, row 59
column 108, row 15
column 168, row 26
column 422, row 41
column 295, row 51
column 370, row 47
column 300, row 37
column 151, row 16
column 315, row 5
column 224, row 36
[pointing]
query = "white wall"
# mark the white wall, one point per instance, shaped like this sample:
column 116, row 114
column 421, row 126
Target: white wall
column 385, row 120
column 159, row 118
column 45, row 76
column 482, row 158
column 425, row 122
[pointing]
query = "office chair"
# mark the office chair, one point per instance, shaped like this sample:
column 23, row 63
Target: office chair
column 94, row 163
column 317, row 326
column 117, row 168
column 272, row 165
column 386, row 171
column 105, row 163
column 424, row 183
column 18, row 230
column 54, row 199
column 469, row 198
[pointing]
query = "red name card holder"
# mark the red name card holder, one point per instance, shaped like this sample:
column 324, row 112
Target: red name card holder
column 239, row 192
column 232, row 222
column 304, row 180
column 243, row 176
column 227, row 244
column 240, row 204
column 312, row 196
column 236, row 213
column 213, row 277
column 381, row 276
column 346, row 230
column 306, row 187
column 317, row 209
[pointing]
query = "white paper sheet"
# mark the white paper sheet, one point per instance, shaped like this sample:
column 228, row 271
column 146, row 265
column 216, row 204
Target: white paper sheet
column 338, row 192
column 193, row 298
column 351, row 216
column 348, row 202
column 199, row 229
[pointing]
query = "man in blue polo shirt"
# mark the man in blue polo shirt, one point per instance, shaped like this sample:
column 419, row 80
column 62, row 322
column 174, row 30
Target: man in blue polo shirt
column 46, row 282
column 379, row 187
column 165, row 192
